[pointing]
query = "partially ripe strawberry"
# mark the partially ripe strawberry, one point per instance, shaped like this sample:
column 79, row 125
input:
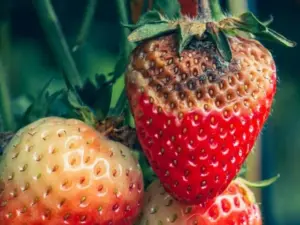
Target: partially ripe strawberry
column 236, row 206
column 197, row 116
column 61, row 171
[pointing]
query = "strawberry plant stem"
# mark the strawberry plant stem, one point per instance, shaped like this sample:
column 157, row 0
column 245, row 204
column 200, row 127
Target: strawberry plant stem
column 6, row 114
column 125, row 49
column 5, row 35
column 123, row 14
column 216, row 11
column 204, row 9
column 57, row 41
column 86, row 24
column 5, row 104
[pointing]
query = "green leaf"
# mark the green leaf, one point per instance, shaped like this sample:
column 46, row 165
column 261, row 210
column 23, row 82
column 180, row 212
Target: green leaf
column 119, row 108
column 260, row 184
column 221, row 41
column 149, row 31
column 184, row 38
column 272, row 35
column 102, row 104
column 150, row 17
column 73, row 100
column 82, row 110
column 120, row 66
column 170, row 8
column 187, row 31
column 250, row 23
column 39, row 106
column 268, row 21
column 102, row 92
column 59, row 105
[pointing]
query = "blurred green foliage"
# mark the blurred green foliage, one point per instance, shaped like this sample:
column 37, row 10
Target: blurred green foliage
column 30, row 64
column 29, row 59
column 281, row 135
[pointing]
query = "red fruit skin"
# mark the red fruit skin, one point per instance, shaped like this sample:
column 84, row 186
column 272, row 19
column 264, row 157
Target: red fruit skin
column 226, row 152
column 235, row 206
column 189, row 7
column 196, row 155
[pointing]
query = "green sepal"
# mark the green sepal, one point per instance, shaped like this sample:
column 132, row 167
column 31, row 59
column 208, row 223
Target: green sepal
column 150, row 31
column 82, row 110
column 248, row 22
column 259, row 184
column 187, row 31
column 101, row 88
column 221, row 41
column 251, row 23
column 150, row 17
column 268, row 21
column 243, row 170
column 184, row 38
column 272, row 35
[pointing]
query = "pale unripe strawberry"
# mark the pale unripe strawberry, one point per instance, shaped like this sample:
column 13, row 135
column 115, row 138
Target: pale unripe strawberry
column 61, row 171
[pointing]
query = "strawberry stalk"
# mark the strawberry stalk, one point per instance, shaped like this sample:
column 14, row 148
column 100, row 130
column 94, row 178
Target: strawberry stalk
column 57, row 41
column 216, row 11
column 259, row 184
column 86, row 24
column 204, row 8
column 123, row 14
column 210, row 9
column 125, row 49
column 5, row 105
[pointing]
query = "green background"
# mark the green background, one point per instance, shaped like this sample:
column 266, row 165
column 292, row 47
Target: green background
column 29, row 64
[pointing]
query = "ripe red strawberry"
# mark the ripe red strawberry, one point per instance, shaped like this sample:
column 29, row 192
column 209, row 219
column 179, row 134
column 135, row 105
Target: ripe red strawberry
column 61, row 171
column 236, row 205
column 199, row 101
column 189, row 7
column 197, row 123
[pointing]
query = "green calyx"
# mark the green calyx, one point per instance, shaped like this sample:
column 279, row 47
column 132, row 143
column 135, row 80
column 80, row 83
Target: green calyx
column 259, row 184
column 153, row 24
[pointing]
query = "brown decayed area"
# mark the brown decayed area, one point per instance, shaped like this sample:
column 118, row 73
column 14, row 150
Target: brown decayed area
column 201, row 79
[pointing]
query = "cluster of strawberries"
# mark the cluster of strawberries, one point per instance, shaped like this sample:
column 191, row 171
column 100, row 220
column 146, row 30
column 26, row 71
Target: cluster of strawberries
column 198, row 110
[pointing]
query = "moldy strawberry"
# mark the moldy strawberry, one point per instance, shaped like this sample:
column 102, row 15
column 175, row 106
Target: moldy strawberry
column 200, row 91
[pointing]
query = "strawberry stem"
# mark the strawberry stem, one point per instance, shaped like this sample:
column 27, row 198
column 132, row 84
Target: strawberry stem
column 210, row 9
column 125, row 49
column 126, row 46
column 5, row 104
column 259, row 184
column 204, row 10
column 57, row 41
column 216, row 10
column 6, row 114
column 86, row 24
